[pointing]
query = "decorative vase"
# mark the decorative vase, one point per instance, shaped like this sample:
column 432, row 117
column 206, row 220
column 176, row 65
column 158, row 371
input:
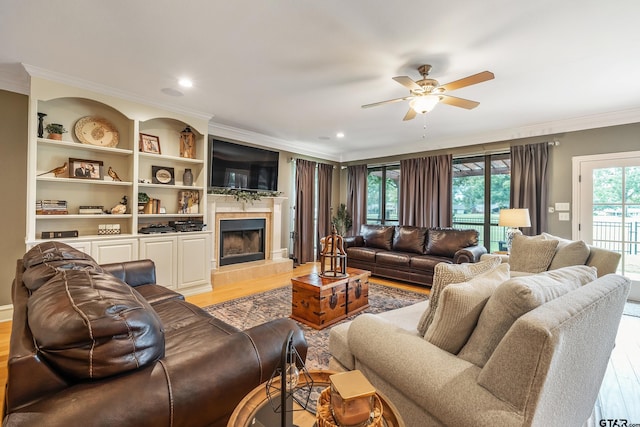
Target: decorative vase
column 187, row 177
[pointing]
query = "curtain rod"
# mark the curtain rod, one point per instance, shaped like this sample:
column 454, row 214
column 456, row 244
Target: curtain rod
column 293, row 160
column 553, row 143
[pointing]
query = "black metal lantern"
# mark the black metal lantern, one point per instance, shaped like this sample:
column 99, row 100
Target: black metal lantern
column 288, row 373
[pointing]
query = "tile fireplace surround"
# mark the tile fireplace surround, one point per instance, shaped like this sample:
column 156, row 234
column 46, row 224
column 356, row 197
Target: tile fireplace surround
column 223, row 207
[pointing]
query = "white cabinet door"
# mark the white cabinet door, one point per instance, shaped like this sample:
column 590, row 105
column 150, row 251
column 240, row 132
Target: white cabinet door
column 81, row 246
column 84, row 246
column 193, row 260
column 107, row 251
column 163, row 250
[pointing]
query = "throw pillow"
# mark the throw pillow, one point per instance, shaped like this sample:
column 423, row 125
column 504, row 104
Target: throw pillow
column 460, row 307
column 377, row 236
column 568, row 252
column 445, row 274
column 531, row 254
column 410, row 239
column 514, row 298
column 447, row 241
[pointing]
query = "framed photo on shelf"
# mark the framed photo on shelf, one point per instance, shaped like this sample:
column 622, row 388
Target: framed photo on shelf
column 149, row 144
column 85, row 169
column 162, row 175
column 188, row 202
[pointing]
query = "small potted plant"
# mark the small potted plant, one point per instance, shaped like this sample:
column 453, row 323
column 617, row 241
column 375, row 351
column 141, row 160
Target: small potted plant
column 143, row 199
column 342, row 221
column 55, row 131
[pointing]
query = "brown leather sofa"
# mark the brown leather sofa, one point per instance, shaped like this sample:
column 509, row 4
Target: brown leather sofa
column 104, row 345
column 410, row 253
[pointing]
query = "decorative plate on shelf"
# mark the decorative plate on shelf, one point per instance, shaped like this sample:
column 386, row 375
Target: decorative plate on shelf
column 162, row 175
column 96, row 131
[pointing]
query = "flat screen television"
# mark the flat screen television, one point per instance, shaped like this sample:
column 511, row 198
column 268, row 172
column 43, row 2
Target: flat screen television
column 243, row 167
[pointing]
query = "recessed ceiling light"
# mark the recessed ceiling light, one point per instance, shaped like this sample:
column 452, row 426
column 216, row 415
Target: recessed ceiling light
column 171, row 92
column 340, row 135
column 184, row 82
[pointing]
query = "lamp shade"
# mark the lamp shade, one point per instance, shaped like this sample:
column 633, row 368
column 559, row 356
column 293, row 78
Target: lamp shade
column 424, row 104
column 514, row 218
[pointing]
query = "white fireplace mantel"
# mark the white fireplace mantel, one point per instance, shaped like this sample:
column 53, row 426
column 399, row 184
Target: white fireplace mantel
column 222, row 207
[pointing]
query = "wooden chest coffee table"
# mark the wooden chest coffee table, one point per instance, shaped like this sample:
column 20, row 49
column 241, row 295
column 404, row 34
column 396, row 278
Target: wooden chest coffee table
column 320, row 301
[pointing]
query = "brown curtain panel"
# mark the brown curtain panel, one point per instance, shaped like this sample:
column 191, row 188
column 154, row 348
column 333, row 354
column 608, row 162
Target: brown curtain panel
column 305, row 197
column 357, row 196
column 325, row 178
column 425, row 191
column 529, row 183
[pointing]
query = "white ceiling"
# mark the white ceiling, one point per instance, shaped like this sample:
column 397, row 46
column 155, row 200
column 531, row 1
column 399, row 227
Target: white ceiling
column 291, row 74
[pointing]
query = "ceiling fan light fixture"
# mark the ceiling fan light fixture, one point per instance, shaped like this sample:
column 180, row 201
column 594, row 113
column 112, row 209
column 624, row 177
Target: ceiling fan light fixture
column 424, row 104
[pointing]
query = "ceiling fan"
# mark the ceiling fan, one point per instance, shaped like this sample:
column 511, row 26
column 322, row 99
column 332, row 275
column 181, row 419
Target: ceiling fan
column 426, row 93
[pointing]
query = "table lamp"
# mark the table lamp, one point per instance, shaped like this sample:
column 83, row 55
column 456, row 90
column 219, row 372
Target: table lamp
column 513, row 218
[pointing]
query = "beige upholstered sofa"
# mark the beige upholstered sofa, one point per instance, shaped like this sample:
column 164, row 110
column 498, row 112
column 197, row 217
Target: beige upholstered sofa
column 535, row 353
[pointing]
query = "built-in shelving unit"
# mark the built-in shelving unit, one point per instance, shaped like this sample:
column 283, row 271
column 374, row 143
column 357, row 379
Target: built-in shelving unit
column 182, row 258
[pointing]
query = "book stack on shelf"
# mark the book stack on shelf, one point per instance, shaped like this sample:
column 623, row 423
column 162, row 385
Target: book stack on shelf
column 90, row 210
column 152, row 207
column 51, row 207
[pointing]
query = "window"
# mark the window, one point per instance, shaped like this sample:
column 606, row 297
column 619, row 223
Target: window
column 383, row 183
column 481, row 187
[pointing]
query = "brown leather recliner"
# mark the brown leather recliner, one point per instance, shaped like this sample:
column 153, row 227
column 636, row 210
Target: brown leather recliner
column 105, row 345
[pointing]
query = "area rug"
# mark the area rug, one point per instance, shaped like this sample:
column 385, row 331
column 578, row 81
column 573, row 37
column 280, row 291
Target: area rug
column 252, row 310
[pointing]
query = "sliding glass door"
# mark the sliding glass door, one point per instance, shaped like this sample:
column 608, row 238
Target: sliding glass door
column 480, row 189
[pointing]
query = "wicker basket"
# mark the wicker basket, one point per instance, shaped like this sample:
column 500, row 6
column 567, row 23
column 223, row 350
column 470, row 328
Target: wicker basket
column 325, row 417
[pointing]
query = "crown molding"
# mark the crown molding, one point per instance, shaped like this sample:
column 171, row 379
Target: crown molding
column 13, row 78
column 110, row 91
column 242, row 135
column 574, row 124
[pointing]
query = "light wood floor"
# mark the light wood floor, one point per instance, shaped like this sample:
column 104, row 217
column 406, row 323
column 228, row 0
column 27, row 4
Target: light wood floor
column 619, row 396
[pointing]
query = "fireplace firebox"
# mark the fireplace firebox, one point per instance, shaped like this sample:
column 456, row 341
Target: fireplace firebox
column 242, row 240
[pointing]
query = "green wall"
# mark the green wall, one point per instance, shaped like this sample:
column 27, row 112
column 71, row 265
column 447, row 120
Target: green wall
column 610, row 139
column 13, row 187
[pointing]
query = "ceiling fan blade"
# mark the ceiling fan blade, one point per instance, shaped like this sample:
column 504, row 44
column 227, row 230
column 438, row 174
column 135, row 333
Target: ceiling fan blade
column 390, row 101
column 468, row 81
column 458, row 102
column 408, row 83
column 410, row 114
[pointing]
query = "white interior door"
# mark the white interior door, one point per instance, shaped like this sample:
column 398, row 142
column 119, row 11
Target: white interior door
column 607, row 208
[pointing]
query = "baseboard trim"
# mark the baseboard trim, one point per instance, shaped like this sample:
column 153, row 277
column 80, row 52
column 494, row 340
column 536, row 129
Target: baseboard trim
column 195, row 290
column 6, row 313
